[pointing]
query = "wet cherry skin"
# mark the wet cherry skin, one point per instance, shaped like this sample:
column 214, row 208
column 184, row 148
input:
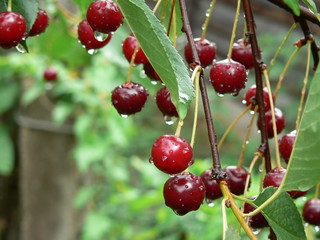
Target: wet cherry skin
column 250, row 95
column 171, row 154
column 165, row 104
column 184, row 193
column 213, row 190
column 128, row 47
column 41, row 23
column 242, row 53
column 50, row 74
column 206, row 51
column 311, row 211
column 150, row 72
column 280, row 122
column 236, row 179
column 286, row 145
column 258, row 220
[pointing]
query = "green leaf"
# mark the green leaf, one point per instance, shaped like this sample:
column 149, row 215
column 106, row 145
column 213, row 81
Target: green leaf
column 61, row 112
column 28, row 9
column 294, row 5
column 32, row 93
column 3, row 5
column 7, row 152
column 282, row 215
column 303, row 169
column 161, row 53
column 313, row 7
column 8, row 95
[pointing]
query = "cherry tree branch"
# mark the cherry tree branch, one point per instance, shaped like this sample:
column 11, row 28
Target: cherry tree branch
column 258, row 65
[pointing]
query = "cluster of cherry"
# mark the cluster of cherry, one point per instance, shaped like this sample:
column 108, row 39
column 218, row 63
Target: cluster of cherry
column 13, row 27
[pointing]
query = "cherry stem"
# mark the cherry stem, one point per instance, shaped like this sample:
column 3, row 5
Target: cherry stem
column 206, row 22
column 259, row 94
column 285, row 69
column 234, row 29
column 316, row 195
column 244, row 145
column 285, row 39
column 163, row 14
column 224, row 219
column 9, row 5
column 205, row 100
column 235, row 209
column 232, row 125
column 179, row 126
column 156, row 6
column 195, row 78
column 261, row 170
column 255, row 159
column 171, row 15
column 273, row 117
column 133, row 57
column 303, row 91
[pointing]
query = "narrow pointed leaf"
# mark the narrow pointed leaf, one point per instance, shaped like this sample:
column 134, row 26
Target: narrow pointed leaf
column 313, row 7
column 303, row 169
column 165, row 59
column 282, row 215
column 294, row 5
column 28, row 9
column 7, row 152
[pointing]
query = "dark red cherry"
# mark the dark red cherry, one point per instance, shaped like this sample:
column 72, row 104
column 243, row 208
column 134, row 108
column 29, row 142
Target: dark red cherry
column 184, row 193
column 41, row 23
column 258, row 220
column 87, row 38
column 236, row 179
column 129, row 98
column 274, row 178
column 164, row 103
column 280, row 122
column 171, row 154
column 250, row 95
column 206, row 51
column 311, row 211
column 242, row 53
column 286, row 145
column 128, row 47
column 50, row 74
column 104, row 16
column 228, row 76
column 213, row 190
column 150, row 72
column 13, row 27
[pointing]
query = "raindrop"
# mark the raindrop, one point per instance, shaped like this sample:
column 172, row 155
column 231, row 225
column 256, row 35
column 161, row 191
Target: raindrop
column 220, row 94
column 244, row 101
column 151, row 160
column 186, row 186
column 317, row 229
column 100, row 36
column 247, row 142
column 164, row 158
column 256, row 231
column 208, row 13
column 49, row 86
column 154, row 82
column 124, row 115
column 259, row 131
column 209, row 202
column 251, row 112
column 235, row 94
column 168, row 120
column 92, row 51
column 21, row 49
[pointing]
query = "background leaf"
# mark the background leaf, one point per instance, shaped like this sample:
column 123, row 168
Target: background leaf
column 303, row 169
column 8, row 95
column 282, row 215
column 294, row 5
column 83, row 6
column 164, row 57
column 28, row 9
column 7, row 152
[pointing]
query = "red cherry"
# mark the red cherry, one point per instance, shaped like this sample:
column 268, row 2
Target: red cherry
column 129, row 98
column 258, row 220
column 150, row 72
column 104, row 16
column 171, row 154
column 41, row 23
column 87, row 38
column 242, row 53
column 274, row 178
column 184, row 193
column 206, row 51
column 250, row 95
column 311, row 211
column 228, row 76
column 128, row 47
column 286, row 145
column 12, row 29
column 236, row 179
column 50, row 74
column 164, row 103
column 213, row 190
column 280, row 122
